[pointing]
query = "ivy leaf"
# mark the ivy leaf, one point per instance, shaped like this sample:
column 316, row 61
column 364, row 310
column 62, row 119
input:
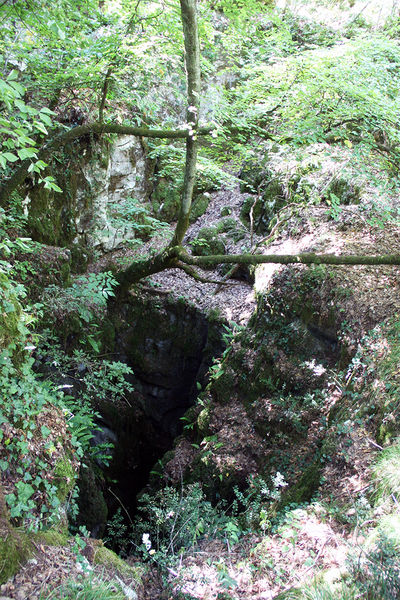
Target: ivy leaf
column 45, row 431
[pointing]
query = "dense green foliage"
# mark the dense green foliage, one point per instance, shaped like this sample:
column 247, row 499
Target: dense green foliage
column 281, row 96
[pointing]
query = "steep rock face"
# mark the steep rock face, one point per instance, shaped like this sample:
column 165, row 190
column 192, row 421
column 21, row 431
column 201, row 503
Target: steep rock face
column 97, row 178
column 110, row 183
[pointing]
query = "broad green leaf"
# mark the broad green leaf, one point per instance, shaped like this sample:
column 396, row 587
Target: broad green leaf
column 24, row 153
column 11, row 157
column 21, row 105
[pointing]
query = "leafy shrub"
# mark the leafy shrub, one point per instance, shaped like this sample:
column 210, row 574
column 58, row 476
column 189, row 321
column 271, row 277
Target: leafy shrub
column 36, row 470
column 307, row 33
column 130, row 217
column 13, row 320
column 74, row 312
column 117, row 536
column 174, row 521
column 20, row 122
column 255, row 506
column 85, row 298
column 328, row 97
column 95, row 381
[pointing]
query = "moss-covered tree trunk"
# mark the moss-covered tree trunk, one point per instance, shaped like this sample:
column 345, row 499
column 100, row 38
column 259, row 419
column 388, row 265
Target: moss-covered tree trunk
column 192, row 61
column 306, row 258
column 168, row 257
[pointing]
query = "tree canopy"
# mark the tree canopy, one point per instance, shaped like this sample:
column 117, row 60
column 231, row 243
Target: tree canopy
column 100, row 63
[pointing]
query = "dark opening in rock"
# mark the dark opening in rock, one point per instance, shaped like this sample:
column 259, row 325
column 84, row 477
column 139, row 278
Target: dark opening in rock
column 169, row 345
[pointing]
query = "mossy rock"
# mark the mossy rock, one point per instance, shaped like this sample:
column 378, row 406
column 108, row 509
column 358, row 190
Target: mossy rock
column 199, row 206
column 252, row 175
column 208, row 242
column 265, row 207
column 53, row 537
column 64, row 478
column 203, row 421
column 15, row 545
column 107, row 335
column 223, row 386
column 304, row 489
column 92, row 505
column 166, row 199
column 51, row 219
column 226, row 211
column 80, row 258
column 15, row 549
column 47, row 265
column 347, row 191
column 12, row 321
column 107, row 558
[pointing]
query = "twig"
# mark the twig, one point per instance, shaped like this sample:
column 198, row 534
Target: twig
column 121, row 503
column 358, row 14
column 374, row 444
column 252, row 217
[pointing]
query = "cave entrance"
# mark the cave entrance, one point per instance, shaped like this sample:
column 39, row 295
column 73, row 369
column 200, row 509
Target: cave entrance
column 170, row 346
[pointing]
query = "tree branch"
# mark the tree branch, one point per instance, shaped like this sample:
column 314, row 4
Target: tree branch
column 104, row 92
column 289, row 259
column 94, row 128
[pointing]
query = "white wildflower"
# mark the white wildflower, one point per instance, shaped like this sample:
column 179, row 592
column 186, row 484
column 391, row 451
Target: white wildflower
column 146, row 540
column 279, row 480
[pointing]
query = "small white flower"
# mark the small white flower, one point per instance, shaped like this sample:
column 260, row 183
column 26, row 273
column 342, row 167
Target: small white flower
column 146, row 540
column 279, row 480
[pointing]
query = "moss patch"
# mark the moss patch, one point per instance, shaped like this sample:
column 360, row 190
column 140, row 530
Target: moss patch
column 53, row 537
column 64, row 478
column 107, row 558
column 304, row 489
column 15, row 545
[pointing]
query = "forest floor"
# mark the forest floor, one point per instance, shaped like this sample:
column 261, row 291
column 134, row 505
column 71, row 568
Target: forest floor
column 235, row 298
